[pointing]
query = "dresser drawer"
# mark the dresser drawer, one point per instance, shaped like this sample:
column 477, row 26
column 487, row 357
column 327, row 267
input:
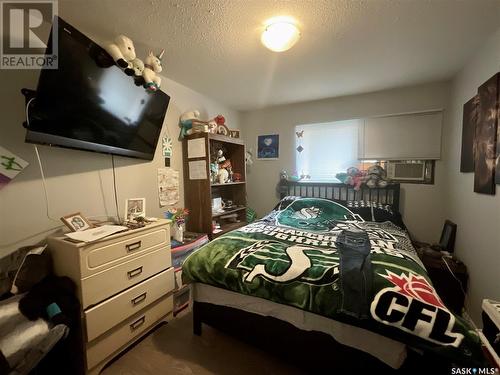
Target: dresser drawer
column 109, row 343
column 107, row 314
column 105, row 284
column 131, row 247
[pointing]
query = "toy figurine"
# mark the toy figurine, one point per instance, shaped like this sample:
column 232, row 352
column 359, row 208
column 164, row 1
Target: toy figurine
column 214, row 172
column 220, row 157
column 122, row 51
column 186, row 122
column 376, row 177
column 152, row 65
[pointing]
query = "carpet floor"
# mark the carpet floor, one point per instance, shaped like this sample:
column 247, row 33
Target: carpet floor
column 173, row 349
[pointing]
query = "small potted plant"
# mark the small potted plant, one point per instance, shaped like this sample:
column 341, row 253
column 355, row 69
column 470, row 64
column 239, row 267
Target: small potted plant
column 178, row 217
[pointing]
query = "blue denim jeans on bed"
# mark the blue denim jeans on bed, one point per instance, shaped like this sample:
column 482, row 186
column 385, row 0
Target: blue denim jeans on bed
column 355, row 273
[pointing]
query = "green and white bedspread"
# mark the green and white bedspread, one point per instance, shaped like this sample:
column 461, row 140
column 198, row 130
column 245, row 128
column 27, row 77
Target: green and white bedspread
column 290, row 257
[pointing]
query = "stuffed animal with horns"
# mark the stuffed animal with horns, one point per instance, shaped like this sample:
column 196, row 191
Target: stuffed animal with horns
column 152, row 65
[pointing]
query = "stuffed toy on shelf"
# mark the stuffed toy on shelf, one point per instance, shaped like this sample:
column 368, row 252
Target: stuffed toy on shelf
column 122, row 51
column 186, row 122
column 138, row 67
column 213, row 125
column 353, row 176
column 152, row 66
column 376, row 177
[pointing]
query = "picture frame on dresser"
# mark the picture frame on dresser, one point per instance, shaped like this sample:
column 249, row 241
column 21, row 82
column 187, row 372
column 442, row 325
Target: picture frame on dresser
column 135, row 207
column 76, row 222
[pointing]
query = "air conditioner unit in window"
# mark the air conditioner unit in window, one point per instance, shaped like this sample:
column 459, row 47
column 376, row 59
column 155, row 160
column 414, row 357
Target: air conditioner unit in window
column 404, row 171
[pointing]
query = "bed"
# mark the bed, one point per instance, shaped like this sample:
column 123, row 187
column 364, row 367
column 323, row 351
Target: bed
column 295, row 283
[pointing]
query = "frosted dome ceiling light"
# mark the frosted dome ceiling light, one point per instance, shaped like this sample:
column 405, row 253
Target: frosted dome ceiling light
column 280, row 35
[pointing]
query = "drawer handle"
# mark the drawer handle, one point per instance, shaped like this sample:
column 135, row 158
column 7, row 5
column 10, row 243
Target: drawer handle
column 133, row 246
column 139, row 322
column 138, row 299
column 134, row 272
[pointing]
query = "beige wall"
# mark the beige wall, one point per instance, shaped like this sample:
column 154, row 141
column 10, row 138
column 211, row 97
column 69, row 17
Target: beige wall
column 421, row 205
column 477, row 215
column 79, row 180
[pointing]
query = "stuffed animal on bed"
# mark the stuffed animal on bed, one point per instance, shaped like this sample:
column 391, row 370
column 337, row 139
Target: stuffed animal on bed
column 376, row 177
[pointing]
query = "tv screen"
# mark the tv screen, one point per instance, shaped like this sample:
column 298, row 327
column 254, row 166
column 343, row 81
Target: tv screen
column 89, row 103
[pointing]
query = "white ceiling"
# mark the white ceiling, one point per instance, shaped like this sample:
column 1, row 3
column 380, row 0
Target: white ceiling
column 347, row 47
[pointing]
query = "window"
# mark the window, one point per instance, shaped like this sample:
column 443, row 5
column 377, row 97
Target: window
column 323, row 150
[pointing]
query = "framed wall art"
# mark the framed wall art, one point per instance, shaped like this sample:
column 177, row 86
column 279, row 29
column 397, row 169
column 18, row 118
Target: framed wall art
column 268, row 147
column 468, row 129
column 485, row 137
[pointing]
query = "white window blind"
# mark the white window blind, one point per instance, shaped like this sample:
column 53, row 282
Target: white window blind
column 402, row 137
column 327, row 148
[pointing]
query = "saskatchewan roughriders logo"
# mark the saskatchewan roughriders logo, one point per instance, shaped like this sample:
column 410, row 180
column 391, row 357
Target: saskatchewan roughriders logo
column 282, row 263
column 314, row 214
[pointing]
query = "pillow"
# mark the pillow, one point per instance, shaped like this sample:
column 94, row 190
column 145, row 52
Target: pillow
column 368, row 211
column 376, row 211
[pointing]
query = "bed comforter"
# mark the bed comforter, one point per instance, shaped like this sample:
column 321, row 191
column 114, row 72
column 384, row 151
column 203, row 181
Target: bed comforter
column 291, row 257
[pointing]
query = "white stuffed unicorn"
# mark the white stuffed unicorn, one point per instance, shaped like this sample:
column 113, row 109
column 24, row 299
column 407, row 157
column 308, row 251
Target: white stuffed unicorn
column 122, row 51
column 152, row 65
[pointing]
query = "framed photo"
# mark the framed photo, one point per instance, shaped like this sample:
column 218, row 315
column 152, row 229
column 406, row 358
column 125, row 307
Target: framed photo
column 77, row 222
column 448, row 235
column 268, row 147
column 135, row 207
column 233, row 133
column 223, row 130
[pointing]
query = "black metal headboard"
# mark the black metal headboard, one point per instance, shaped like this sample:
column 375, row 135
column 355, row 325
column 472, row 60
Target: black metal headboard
column 338, row 191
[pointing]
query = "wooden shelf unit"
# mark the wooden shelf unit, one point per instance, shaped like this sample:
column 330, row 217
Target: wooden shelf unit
column 227, row 228
column 228, row 212
column 199, row 193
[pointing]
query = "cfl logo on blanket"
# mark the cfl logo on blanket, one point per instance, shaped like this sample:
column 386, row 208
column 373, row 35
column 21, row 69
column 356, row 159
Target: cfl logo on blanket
column 323, row 215
column 282, row 263
column 413, row 305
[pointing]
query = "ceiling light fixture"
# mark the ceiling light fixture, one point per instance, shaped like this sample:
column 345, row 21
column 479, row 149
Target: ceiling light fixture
column 280, row 34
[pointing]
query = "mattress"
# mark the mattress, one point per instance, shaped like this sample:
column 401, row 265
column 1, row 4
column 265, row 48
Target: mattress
column 391, row 352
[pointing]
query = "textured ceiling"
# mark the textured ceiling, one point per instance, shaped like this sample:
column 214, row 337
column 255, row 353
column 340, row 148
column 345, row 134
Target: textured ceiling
column 347, row 47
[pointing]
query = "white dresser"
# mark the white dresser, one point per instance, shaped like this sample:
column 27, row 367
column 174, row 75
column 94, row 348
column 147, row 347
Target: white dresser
column 125, row 283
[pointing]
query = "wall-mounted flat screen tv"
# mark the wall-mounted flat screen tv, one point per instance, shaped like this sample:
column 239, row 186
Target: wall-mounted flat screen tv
column 89, row 103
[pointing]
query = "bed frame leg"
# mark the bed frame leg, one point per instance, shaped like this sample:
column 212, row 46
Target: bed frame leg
column 196, row 320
